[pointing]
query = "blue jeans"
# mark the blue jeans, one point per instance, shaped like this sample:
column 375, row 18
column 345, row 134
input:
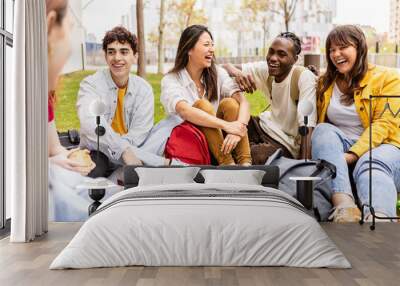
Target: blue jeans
column 330, row 143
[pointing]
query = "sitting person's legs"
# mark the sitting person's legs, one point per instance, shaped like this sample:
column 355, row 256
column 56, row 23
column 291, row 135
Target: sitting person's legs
column 385, row 179
column 228, row 110
column 213, row 136
column 330, row 143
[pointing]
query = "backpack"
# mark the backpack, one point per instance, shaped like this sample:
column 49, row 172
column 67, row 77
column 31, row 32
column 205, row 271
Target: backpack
column 69, row 139
column 188, row 144
column 300, row 168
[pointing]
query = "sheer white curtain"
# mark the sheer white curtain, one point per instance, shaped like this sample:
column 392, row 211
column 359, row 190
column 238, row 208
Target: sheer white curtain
column 26, row 124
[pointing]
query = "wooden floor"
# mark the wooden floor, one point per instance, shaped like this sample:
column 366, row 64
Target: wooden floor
column 374, row 255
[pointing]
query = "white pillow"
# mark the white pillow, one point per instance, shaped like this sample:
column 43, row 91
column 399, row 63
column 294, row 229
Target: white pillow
column 248, row 177
column 166, row 176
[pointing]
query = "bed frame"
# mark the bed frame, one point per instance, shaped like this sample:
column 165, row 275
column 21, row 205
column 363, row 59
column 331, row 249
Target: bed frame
column 270, row 179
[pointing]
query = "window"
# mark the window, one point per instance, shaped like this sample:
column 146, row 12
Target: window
column 6, row 44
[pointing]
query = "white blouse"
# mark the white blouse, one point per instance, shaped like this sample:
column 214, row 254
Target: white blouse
column 180, row 86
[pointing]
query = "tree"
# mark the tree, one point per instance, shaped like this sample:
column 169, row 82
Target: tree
column 175, row 16
column 160, row 47
column 185, row 14
column 257, row 12
column 238, row 20
column 286, row 9
column 141, row 39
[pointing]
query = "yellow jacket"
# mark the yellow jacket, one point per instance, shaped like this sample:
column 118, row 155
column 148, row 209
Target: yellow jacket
column 385, row 123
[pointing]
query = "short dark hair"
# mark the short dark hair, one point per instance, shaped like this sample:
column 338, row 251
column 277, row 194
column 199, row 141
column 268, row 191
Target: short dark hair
column 295, row 40
column 121, row 35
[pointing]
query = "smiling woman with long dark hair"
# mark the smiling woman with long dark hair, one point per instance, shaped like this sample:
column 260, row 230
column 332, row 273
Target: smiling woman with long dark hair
column 203, row 94
column 342, row 137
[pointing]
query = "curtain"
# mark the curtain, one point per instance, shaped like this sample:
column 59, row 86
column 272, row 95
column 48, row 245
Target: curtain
column 26, row 124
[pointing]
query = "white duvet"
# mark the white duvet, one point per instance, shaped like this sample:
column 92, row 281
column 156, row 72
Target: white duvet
column 198, row 224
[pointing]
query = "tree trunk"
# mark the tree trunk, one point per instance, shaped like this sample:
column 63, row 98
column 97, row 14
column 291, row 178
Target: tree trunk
column 287, row 24
column 287, row 15
column 264, row 37
column 283, row 4
column 160, row 68
column 189, row 15
column 141, row 39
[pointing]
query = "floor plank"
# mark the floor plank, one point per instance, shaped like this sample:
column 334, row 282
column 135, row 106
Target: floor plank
column 374, row 255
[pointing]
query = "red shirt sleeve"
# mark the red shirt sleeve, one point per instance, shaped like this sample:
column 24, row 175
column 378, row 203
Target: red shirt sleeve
column 51, row 110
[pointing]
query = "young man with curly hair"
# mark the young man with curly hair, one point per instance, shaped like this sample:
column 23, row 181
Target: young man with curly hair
column 129, row 104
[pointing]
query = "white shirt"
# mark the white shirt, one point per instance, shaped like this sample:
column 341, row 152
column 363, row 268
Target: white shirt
column 282, row 121
column 344, row 117
column 180, row 86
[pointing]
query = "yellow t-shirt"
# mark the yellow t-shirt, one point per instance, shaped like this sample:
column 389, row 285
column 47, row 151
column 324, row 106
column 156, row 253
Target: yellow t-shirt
column 118, row 123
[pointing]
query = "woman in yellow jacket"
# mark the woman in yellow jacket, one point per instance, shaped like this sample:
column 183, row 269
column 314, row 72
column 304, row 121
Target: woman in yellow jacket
column 342, row 135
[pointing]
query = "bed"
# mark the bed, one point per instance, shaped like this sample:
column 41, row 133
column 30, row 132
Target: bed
column 201, row 224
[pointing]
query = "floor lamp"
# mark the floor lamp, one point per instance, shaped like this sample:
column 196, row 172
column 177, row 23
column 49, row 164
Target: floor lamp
column 304, row 185
column 96, row 193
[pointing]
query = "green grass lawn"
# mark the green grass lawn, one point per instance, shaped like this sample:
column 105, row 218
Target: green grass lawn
column 67, row 90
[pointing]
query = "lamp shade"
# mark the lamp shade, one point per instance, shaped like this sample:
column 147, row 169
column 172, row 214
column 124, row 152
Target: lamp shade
column 306, row 107
column 97, row 107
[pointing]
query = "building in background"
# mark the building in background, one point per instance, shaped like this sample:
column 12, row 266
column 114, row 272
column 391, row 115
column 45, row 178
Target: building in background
column 133, row 23
column 312, row 21
column 125, row 21
column 234, row 35
column 395, row 21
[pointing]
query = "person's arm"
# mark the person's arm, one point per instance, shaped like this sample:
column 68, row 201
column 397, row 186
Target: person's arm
column 244, row 107
column 55, row 146
column 233, row 70
column 113, row 141
column 384, row 124
column 59, row 155
column 142, row 118
column 246, row 82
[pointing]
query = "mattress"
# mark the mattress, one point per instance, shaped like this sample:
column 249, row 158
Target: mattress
column 201, row 225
